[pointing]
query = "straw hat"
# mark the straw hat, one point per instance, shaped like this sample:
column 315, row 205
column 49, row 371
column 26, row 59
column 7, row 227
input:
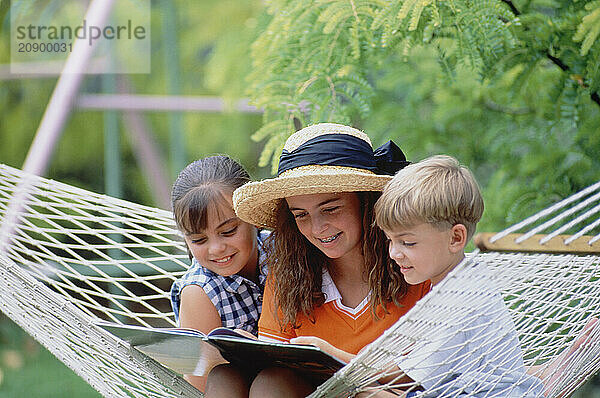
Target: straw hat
column 322, row 158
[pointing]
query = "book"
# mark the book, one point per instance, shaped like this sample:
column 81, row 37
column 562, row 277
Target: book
column 188, row 351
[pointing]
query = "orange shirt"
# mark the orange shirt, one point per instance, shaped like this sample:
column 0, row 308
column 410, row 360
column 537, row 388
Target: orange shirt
column 348, row 329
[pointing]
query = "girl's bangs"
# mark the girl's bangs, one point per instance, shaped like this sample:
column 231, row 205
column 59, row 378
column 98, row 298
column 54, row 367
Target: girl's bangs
column 192, row 211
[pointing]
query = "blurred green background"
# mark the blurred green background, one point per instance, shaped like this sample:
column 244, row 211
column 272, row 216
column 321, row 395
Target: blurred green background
column 528, row 128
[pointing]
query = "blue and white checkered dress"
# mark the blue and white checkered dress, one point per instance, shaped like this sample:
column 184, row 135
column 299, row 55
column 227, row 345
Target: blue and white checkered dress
column 237, row 299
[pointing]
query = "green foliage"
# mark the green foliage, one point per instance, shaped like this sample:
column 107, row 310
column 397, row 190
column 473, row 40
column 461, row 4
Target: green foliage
column 504, row 86
column 325, row 84
column 589, row 29
column 315, row 60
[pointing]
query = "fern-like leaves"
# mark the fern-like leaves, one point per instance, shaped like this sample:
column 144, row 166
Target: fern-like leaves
column 318, row 60
column 589, row 29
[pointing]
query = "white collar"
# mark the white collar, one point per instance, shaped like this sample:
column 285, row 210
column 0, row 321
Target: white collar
column 329, row 288
column 332, row 293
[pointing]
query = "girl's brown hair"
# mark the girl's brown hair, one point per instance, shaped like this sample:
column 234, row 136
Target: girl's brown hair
column 296, row 266
column 201, row 185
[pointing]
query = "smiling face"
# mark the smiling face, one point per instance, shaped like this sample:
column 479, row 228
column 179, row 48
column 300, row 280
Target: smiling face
column 227, row 245
column 331, row 222
column 426, row 252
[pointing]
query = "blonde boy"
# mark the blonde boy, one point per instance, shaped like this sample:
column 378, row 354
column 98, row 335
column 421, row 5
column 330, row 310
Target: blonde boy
column 429, row 212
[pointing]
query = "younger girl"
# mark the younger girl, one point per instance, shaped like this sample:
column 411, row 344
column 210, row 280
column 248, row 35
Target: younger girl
column 225, row 283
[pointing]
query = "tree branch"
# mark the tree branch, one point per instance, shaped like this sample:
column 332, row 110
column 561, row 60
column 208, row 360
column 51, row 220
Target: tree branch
column 512, row 7
column 557, row 61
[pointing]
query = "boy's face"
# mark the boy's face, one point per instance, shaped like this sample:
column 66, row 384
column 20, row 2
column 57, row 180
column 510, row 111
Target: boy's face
column 426, row 252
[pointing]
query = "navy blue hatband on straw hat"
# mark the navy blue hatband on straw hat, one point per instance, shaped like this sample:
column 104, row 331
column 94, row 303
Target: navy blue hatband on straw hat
column 321, row 158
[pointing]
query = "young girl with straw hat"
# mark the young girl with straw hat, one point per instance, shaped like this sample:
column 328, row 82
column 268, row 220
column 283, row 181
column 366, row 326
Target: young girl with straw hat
column 331, row 280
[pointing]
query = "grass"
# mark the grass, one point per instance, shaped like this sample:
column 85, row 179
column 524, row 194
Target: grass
column 29, row 370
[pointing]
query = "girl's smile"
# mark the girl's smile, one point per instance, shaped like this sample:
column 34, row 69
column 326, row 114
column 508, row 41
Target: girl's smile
column 227, row 246
column 331, row 222
column 331, row 238
column 224, row 259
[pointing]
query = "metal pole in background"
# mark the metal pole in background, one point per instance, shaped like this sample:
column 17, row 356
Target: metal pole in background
column 112, row 175
column 173, row 70
column 147, row 152
column 53, row 120
column 63, row 96
column 112, row 145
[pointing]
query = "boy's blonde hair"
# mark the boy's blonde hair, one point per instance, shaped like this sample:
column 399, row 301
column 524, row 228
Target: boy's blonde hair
column 436, row 190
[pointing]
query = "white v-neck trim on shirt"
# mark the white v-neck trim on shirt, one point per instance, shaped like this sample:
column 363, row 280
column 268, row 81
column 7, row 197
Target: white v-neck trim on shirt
column 332, row 293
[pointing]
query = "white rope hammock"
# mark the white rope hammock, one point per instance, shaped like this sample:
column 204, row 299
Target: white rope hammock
column 69, row 257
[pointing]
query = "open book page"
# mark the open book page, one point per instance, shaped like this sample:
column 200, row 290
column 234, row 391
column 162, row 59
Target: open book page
column 185, row 351
column 189, row 351
column 257, row 355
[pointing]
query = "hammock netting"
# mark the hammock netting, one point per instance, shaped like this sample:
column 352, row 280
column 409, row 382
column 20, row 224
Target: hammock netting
column 70, row 257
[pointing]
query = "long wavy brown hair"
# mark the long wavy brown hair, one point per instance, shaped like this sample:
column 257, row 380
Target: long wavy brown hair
column 296, row 266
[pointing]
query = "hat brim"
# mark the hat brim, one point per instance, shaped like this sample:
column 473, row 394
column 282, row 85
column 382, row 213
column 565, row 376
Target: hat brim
column 256, row 202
